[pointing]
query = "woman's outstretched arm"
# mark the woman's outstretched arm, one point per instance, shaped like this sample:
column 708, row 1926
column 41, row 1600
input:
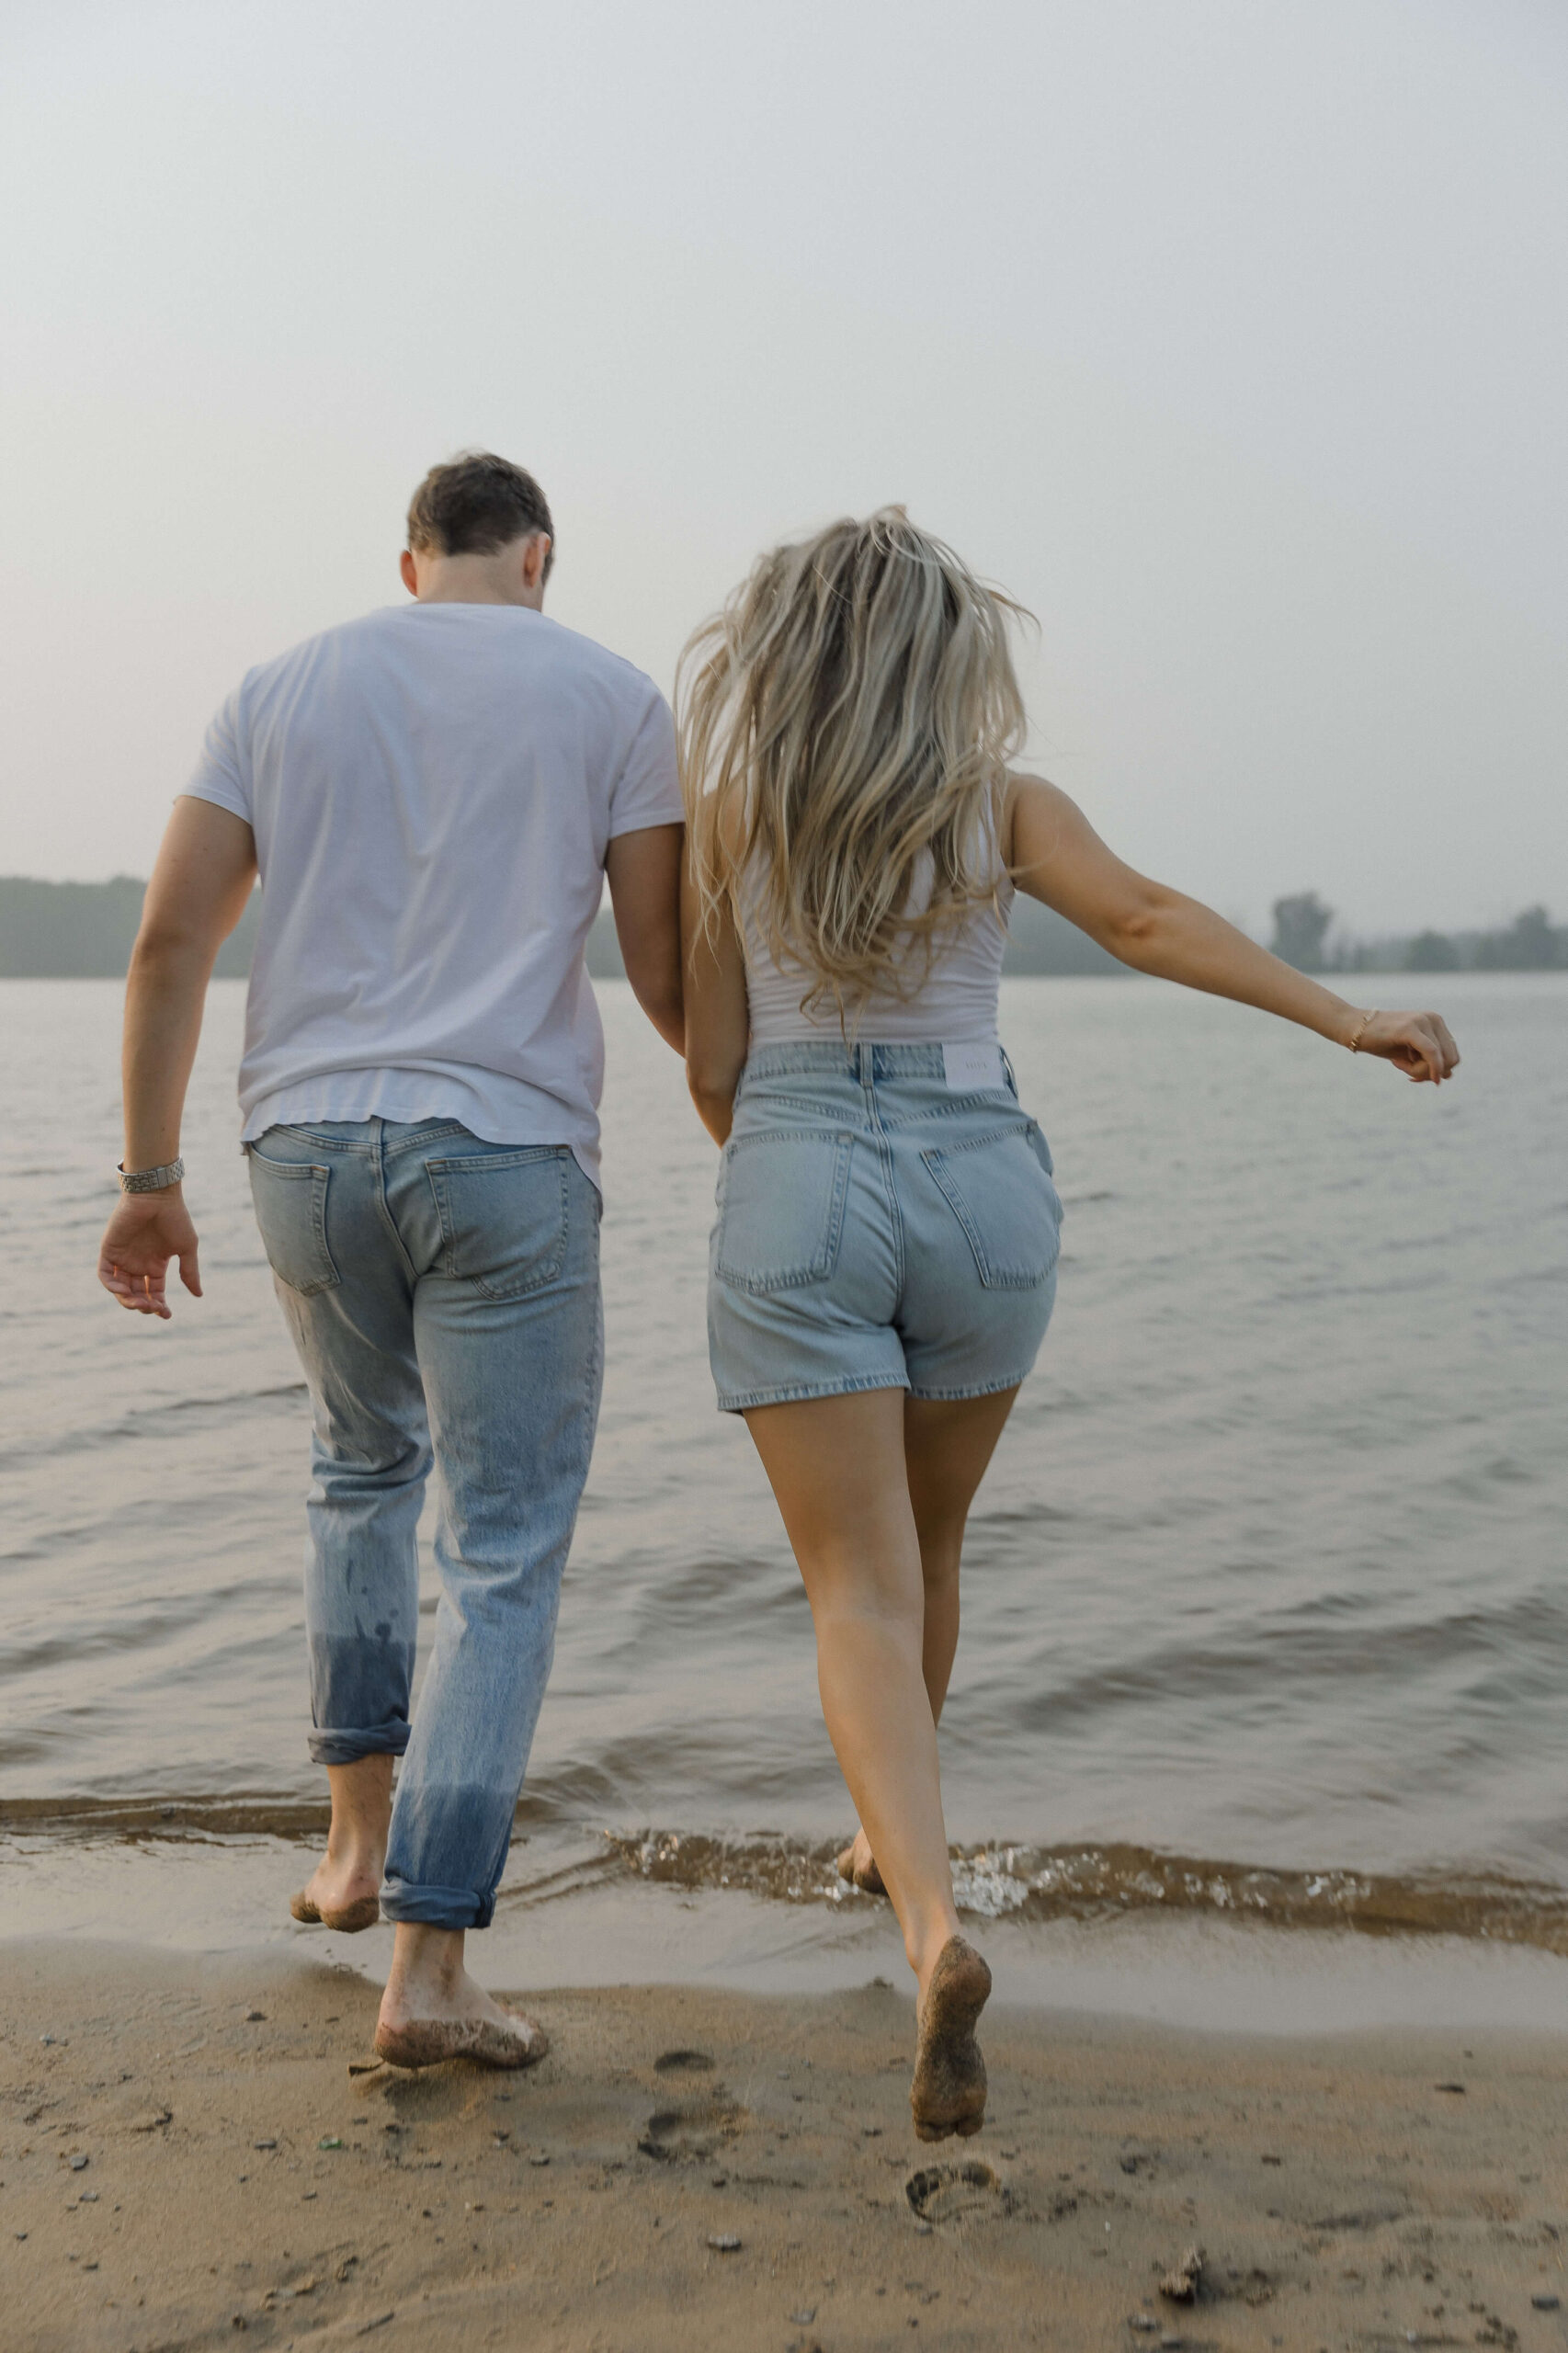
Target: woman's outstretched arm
column 718, row 1017
column 1056, row 855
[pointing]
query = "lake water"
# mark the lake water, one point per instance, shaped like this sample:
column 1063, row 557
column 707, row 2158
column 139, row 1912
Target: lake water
column 1264, row 1610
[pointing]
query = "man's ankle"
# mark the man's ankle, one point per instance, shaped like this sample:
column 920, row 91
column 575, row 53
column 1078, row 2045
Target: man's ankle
column 429, row 1958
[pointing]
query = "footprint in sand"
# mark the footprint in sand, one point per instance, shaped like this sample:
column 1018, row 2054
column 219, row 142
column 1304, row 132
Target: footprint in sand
column 694, row 2133
column 951, row 2193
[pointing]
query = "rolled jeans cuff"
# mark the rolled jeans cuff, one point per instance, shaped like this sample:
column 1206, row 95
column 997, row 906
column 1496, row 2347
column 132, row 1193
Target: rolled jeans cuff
column 437, row 1907
column 388, row 1739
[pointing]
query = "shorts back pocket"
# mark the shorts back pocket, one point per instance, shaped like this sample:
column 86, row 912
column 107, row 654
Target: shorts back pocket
column 781, row 1195
column 998, row 1186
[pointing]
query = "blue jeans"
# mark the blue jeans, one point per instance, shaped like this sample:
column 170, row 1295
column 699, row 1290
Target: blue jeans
column 443, row 1294
column 886, row 1220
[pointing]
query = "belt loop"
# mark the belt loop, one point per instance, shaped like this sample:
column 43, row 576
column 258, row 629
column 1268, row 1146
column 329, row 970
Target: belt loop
column 1007, row 1066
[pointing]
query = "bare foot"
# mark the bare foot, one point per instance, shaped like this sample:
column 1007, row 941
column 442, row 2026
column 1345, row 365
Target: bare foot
column 859, row 1865
column 418, row 2028
column 342, row 1895
column 948, row 2094
column 344, row 1890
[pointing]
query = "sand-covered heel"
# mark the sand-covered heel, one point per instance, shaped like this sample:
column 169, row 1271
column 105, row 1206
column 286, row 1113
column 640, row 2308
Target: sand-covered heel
column 948, row 2094
column 347, row 1922
column 868, row 1880
column 429, row 2043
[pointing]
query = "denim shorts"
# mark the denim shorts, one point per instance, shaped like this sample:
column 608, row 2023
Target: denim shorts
column 880, row 1227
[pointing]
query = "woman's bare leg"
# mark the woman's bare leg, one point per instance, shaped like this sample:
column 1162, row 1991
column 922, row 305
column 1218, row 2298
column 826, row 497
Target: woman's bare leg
column 946, row 1447
column 837, row 1466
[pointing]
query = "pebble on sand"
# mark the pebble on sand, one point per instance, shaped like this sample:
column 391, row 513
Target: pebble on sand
column 1180, row 2283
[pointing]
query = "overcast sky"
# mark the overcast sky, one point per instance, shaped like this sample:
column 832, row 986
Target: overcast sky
column 1228, row 334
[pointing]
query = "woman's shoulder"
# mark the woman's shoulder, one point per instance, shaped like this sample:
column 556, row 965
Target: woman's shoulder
column 1033, row 795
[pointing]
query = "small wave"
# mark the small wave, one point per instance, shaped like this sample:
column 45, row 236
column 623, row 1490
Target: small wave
column 1091, row 1883
column 1104, row 1882
column 148, row 1420
column 241, row 1817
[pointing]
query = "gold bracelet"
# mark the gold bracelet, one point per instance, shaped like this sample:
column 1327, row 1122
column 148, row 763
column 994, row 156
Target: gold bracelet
column 1355, row 1034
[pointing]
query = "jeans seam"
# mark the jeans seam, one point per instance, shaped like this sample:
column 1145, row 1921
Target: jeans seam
column 384, row 1208
column 882, row 1137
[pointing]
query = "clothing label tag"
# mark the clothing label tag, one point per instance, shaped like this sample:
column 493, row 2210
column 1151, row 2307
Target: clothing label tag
column 971, row 1070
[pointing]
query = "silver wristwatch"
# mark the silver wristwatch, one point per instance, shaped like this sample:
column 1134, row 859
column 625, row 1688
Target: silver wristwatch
column 151, row 1180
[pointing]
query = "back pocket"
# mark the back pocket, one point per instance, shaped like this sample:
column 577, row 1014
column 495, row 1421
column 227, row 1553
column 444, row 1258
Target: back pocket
column 998, row 1186
column 291, row 1209
column 503, row 1217
column 780, row 1208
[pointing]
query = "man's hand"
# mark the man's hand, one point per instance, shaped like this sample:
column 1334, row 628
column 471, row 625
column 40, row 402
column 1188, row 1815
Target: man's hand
column 146, row 1230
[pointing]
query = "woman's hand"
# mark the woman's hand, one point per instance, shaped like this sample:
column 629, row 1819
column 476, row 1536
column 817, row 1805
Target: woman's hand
column 1416, row 1043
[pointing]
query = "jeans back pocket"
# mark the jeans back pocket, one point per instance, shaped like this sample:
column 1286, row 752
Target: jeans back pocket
column 998, row 1186
column 503, row 1217
column 291, row 1209
column 781, row 1195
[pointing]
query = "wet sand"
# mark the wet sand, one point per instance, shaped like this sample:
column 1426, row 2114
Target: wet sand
column 694, row 2168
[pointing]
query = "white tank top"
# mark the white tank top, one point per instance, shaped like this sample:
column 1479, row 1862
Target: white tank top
column 954, row 1005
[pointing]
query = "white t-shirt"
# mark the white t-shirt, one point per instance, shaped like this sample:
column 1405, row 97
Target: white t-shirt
column 432, row 790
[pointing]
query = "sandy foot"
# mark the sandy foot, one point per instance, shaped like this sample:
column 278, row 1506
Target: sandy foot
column 859, row 1865
column 948, row 2094
column 508, row 2040
column 348, row 1918
column 422, row 2023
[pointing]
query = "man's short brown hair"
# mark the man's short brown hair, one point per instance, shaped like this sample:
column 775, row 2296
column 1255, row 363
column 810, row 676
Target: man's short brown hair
column 475, row 504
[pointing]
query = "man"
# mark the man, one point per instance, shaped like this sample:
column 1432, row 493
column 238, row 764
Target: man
column 433, row 797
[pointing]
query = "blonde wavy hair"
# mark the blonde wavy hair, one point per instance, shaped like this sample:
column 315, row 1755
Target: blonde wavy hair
column 851, row 709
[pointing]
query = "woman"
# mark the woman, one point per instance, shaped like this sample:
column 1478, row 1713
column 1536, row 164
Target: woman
column 883, row 1261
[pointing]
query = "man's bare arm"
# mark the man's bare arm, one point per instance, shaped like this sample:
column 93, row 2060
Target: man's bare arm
column 643, row 872
column 200, row 885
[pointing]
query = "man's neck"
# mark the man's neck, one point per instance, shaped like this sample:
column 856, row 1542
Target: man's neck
column 474, row 580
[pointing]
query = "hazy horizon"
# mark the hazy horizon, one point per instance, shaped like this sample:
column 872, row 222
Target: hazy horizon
column 1229, row 341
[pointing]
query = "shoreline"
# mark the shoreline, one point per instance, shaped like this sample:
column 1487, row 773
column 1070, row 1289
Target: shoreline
column 568, row 1916
column 190, row 2158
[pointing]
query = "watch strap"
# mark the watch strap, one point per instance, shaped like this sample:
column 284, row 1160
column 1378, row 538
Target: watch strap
column 151, row 1180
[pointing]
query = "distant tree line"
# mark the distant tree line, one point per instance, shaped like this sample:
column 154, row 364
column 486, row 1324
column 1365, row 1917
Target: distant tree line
column 85, row 931
column 1531, row 943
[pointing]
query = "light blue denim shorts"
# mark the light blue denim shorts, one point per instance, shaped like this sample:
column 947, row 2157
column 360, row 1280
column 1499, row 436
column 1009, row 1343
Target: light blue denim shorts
column 880, row 1227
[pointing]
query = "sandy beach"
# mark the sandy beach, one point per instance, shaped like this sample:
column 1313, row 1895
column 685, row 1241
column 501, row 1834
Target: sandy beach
column 199, row 2149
